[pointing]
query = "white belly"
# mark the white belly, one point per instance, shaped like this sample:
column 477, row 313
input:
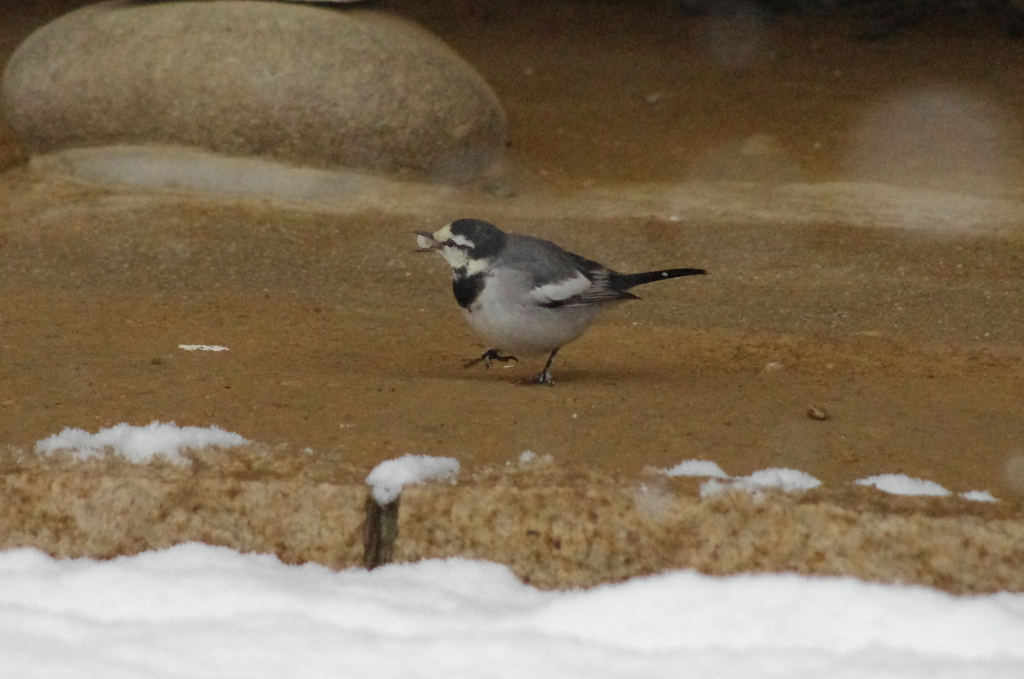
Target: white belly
column 523, row 327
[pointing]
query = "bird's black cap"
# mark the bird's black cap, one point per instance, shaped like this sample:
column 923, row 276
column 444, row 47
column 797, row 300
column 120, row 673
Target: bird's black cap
column 487, row 239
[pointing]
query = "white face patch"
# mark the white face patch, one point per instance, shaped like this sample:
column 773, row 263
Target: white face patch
column 443, row 234
column 455, row 257
column 461, row 241
column 455, row 250
column 474, row 266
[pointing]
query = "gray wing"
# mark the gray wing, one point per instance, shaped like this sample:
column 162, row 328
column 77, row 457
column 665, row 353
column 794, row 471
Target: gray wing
column 560, row 278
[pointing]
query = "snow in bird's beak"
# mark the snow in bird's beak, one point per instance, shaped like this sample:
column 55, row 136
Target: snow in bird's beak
column 425, row 241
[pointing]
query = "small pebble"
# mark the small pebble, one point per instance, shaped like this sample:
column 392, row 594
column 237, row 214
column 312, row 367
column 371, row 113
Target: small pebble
column 816, row 413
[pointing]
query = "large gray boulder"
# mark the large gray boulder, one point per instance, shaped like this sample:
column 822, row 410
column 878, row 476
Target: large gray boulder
column 318, row 87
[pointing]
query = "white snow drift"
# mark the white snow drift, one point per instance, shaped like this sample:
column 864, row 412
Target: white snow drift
column 138, row 444
column 200, row 611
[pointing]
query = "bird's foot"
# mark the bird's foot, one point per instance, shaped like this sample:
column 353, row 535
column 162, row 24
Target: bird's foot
column 487, row 357
column 542, row 378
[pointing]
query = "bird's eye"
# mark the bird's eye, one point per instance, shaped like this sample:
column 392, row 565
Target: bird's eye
column 450, row 243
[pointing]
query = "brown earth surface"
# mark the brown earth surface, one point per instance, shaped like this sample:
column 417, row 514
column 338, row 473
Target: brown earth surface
column 859, row 207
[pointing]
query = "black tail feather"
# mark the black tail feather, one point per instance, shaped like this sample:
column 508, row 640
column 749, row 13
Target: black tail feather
column 625, row 281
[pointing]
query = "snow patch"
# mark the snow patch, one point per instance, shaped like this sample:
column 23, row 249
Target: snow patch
column 202, row 347
column 138, row 444
column 388, row 478
column 979, row 496
column 697, row 468
column 788, row 480
column 901, row 484
column 529, row 457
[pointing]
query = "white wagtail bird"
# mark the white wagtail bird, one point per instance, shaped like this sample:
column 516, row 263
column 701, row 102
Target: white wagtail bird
column 525, row 295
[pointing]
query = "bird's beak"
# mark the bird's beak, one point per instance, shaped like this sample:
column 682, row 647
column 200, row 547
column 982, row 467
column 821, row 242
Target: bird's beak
column 425, row 241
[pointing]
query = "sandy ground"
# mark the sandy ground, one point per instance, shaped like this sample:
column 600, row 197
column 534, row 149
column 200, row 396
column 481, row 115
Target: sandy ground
column 905, row 326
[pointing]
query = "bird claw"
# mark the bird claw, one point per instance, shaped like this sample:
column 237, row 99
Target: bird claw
column 543, row 379
column 544, row 376
column 487, row 357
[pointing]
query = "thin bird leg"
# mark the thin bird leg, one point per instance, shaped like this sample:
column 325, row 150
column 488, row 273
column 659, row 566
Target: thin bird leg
column 487, row 357
column 545, row 375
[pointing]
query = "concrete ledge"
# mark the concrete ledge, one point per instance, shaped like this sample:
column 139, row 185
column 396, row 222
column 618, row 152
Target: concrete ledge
column 555, row 527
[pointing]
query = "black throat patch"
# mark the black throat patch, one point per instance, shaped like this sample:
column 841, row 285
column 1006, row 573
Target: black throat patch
column 467, row 288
